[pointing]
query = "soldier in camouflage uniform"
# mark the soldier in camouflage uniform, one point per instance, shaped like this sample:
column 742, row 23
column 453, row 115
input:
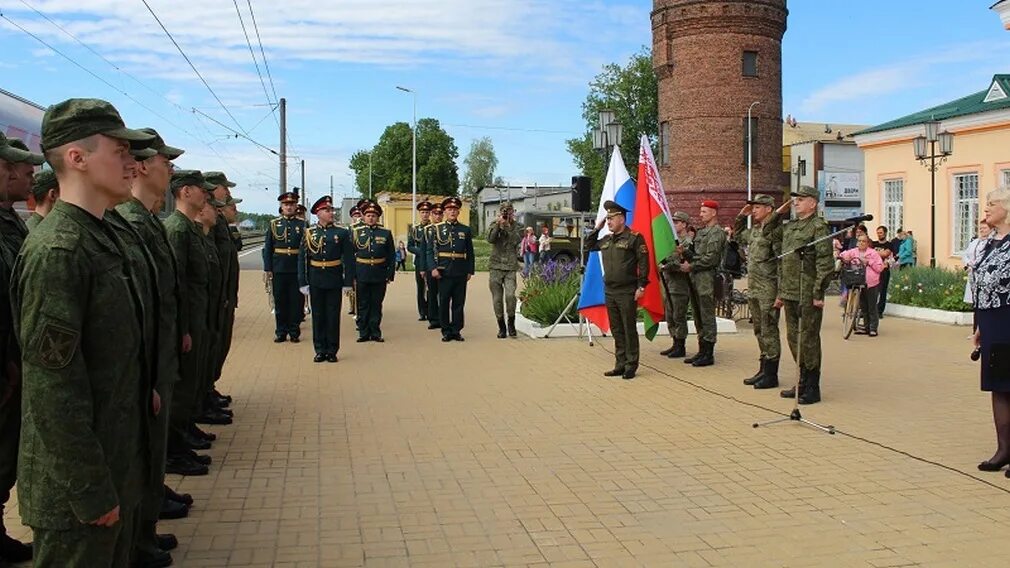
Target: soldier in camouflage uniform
column 227, row 254
column 678, row 288
column 415, row 240
column 764, row 242
column 625, row 258
column 805, row 304
column 82, row 464
column 504, row 235
column 46, row 191
column 207, row 411
column 11, row 238
column 706, row 254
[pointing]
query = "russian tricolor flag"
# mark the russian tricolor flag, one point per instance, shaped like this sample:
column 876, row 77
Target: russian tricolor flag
column 619, row 188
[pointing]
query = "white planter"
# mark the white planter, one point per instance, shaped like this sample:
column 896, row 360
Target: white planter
column 928, row 314
column 565, row 329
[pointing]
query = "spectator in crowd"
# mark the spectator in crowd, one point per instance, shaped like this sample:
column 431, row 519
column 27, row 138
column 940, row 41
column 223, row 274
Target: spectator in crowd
column 529, row 250
column 545, row 243
column 972, row 254
column 401, row 256
column 906, row 250
column 992, row 315
column 874, row 265
column 691, row 232
column 888, row 251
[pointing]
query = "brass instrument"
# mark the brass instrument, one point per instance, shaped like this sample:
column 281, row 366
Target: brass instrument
column 268, row 284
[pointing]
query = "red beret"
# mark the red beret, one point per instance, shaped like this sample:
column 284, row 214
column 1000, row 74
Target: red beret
column 710, row 204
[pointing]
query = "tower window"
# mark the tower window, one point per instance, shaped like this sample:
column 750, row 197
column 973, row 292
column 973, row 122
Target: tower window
column 750, row 64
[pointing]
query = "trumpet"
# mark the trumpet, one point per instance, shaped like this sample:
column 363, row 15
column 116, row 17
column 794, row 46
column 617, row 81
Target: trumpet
column 352, row 297
column 268, row 284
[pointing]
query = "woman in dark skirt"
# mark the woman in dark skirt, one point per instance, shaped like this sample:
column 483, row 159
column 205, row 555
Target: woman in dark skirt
column 992, row 315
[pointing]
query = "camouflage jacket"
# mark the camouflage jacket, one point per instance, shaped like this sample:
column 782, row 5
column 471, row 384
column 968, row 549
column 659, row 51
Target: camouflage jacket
column 677, row 281
column 764, row 243
column 504, row 246
column 817, row 267
column 190, row 248
column 709, row 247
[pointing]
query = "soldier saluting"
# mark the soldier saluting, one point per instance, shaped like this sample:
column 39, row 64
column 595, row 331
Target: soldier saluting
column 374, row 269
column 625, row 275
column 805, row 304
column 326, row 267
column 452, row 264
column 280, row 264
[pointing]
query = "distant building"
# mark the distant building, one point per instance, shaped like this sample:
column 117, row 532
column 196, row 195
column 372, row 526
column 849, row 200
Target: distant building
column 898, row 186
column 1002, row 8
column 21, row 118
column 524, row 198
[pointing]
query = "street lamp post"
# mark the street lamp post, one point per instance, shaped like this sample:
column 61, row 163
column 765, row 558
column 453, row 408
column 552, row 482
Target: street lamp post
column 750, row 151
column 929, row 161
column 608, row 133
column 413, row 173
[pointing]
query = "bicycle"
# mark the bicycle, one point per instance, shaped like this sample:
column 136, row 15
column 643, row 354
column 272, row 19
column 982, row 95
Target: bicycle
column 853, row 277
column 731, row 303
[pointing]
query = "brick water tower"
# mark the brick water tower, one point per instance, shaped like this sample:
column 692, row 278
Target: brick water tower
column 714, row 59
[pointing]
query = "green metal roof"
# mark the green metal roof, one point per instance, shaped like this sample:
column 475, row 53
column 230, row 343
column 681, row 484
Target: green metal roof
column 972, row 104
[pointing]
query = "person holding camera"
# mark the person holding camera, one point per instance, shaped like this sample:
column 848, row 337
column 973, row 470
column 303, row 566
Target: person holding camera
column 992, row 316
column 504, row 235
column 677, row 295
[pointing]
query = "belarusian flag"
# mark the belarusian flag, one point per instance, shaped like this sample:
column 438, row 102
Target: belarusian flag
column 652, row 219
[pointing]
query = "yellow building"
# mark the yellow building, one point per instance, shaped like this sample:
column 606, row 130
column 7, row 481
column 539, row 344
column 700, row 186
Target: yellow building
column 898, row 185
column 397, row 209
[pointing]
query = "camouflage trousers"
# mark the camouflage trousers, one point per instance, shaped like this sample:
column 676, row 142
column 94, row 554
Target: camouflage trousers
column 10, row 434
column 766, row 327
column 703, row 304
column 503, row 292
column 676, row 299
column 187, row 395
column 805, row 344
column 87, row 546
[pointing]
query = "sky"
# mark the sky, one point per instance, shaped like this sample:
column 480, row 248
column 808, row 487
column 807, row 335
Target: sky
column 513, row 70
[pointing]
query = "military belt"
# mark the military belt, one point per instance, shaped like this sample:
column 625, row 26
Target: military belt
column 285, row 251
column 324, row 263
column 371, row 261
column 459, row 255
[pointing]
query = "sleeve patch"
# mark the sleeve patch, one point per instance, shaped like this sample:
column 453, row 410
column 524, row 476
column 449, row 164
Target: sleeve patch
column 54, row 345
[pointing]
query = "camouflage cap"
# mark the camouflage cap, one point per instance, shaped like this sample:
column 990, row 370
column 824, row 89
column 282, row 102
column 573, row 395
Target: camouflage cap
column 158, row 145
column 762, row 199
column 218, row 178
column 182, row 178
column 74, row 119
column 29, row 157
column 506, row 206
column 232, row 201
column 681, row 216
column 216, row 203
column 42, row 182
column 141, row 154
column 807, row 191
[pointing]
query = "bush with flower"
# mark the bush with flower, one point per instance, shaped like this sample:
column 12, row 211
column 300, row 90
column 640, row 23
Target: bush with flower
column 924, row 287
column 548, row 289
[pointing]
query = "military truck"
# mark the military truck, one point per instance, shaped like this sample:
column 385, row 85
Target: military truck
column 565, row 229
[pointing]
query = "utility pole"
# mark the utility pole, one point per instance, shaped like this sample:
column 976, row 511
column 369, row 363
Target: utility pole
column 284, row 146
column 305, row 192
column 331, row 188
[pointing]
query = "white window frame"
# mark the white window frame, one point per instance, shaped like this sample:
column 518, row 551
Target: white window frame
column 893, row 223
column 958, row 228
column 1004, row 176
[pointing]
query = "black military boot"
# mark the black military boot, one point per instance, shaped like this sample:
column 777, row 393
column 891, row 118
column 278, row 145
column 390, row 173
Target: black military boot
column 770, row 378
column 512, row 326
column 629, row 372
column 173, row 510
column 707, row 357
column 811, row 391
column 791, row 393
column 679, row 349
column 758, row 375
column 146, row 550
column 501, row 328
column 701, row 350
column 615, row 372
column 184, row 498
column 666, row 352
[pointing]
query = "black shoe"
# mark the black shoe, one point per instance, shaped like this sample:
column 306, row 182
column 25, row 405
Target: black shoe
column 512, row 326
column 332, row 357
column 213, row 418
column 364, row 339
column 422, row 318
column 167, row 541
column 666, row 352
column 788, row 393
column 14, row 551
column 295, row 339
column 378, row 339
column 147, row 559
column 614, row 373
column 629, row 372
column 757, row 376
column 434, row 326
column 993, row 466
column 200, row 458
column 196, row 432
column 706, row 358
column 458, row 337
column 701, row 350
column 319, row 358
column 226, row 411
column 195, row 443
column 502, row 332
column 173, row 510
column 770, row 379
column 447, row 338
column 280, row 339
column 218, row 401
column 225, row 397
column 184, row 498
column 679, row 349
column 179, row 465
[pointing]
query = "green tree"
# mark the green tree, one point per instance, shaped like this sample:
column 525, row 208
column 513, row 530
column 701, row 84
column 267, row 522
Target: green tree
column 632, row 92
column 392, row 161
column 481, row 163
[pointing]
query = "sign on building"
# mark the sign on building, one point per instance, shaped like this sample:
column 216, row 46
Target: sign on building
column 842, row 194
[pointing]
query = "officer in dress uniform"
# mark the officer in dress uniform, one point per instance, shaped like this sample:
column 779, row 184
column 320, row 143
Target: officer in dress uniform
column 678, row 288
column 708, row 248
column 280, row 264
column 434, row 314
column 415, row 240
column 352, row 296
column 625, row 275
column 374, row 268
column 326, row 268
column 452, row 263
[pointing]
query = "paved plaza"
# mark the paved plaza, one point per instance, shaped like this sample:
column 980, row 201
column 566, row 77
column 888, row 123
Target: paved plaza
column 519, row 453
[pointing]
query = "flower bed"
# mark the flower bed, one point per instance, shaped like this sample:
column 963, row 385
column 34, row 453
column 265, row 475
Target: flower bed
column 547, row 290
column 932, row 288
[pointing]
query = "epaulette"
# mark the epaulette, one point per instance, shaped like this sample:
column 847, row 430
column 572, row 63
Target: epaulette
column 634, row 233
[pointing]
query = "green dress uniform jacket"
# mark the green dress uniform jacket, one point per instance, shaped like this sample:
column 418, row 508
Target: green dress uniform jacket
column 451, row 252
column 280, row 257
column 326, row 266
column 374, row 268
column 80, row 319
column 415, row 245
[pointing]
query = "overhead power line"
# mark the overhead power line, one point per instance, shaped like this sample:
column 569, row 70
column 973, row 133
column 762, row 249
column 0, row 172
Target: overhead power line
column 263, row 54
column 235, row 132
column 193, row 67
column 252, row 54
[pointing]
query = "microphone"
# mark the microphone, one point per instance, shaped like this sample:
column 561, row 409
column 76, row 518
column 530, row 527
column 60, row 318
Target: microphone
column 858, row 219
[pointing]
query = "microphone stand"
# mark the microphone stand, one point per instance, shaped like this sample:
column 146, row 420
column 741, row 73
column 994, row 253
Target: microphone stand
column 795, row 416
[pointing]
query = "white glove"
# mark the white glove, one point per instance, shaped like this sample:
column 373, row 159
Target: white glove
column 347, row 289
column 304, row 290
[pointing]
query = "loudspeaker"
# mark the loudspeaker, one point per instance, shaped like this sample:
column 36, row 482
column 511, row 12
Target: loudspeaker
column 581, row 193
